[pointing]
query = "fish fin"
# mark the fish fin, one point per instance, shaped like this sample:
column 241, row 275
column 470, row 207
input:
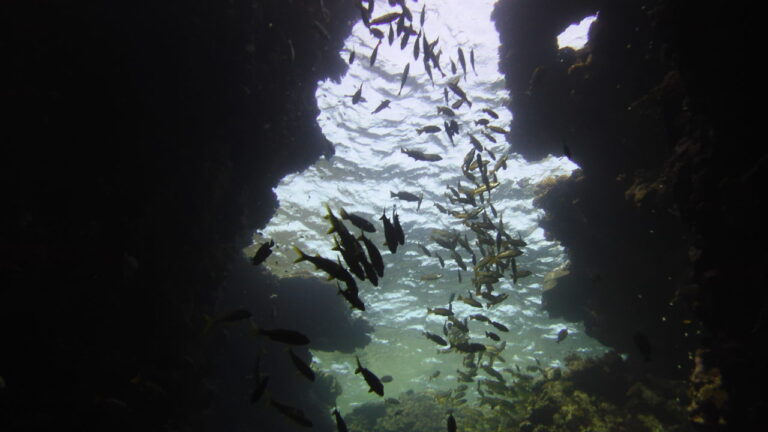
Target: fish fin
column 302, row 256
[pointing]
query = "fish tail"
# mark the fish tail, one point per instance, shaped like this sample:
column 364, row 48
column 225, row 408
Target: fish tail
column 392, row 194
column 419, row 131
column 302, row 255
column 343, row 213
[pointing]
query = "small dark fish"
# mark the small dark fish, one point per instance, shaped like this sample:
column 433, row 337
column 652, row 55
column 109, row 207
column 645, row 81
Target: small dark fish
column 386, row 19
column 454, row 126
column 375, row 53
column 390, row 234
column 352, row 56
column 378, row 34
column 422, row 17
column 430, row 277
column 450, row 423
column 357, row 221
column 643, row 345
column 233, row 316
column 445, row 94
column 390, row 35
column 373, row 381
column 440, row 311
column 290, row 337
column 498, row 130
column 459, row 92
column 400, row 25
column 493, row 336
column 446, row 111
column 322, row 30
column 562, row 334
column 480, row 317
column 387, row 379
column 482, row 122
column 421, row 156
column 491, row 113
column 351, row 296
column 334, row 270
column 292, row 413
column 453, row 67
column 358, row 96
column 407, row 196
column 472, row 59
column 398, row 228
column 428, row 129
column 440, row 259
column 475, row 143
column 458, row 273
column 489, row 137
column 301, row 366
column 435, row 338
column 416, row 46
column 341, row 425
column 258, row 391
column 265, row 250
column 424, row 249
column 499, row 326
column 373, row 254
column 457, row 104
column 469, row 347
column 382, row 105
column 404, row 40
column 462, row 62
column 404, row 77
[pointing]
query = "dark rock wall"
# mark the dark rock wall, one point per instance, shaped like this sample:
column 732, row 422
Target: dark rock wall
column 140, row 144
column 661, row 222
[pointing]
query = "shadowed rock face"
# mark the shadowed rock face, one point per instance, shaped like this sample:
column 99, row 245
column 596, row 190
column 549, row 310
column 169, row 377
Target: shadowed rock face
column 660, row 223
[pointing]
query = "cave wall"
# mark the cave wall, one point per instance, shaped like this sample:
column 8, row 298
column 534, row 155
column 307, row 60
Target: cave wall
column 140, row 144
column 660, row 223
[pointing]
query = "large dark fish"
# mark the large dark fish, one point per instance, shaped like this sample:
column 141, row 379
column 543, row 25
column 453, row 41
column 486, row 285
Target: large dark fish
column 301, row 366
column 373, row 254
column 373, row 381
column 290, row 337
column 334, row 270
column 265, row 250
column 398, row 228
column 375, row 53
column 341, row 426
column 462, row 62
column 389, row 233
column 351, row 296
column 435, row 338
column 292, row 413
column 357, row 221
column 451, row 423
column 382, row 105
column 404, row 77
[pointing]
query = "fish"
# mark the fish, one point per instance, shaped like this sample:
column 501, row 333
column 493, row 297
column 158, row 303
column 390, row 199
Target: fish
column 643, row 345
column 374, row 384
column 433, row 375
column 378, row 34
column 292, row 413
column 445, row 94
column 428, row 69
column 480, row 317
column 358, row 96
column 509, row 253
column 423, row 15
column 258, row 391
column 472, row 60
column 435, row 338
column 386, row 19
column 440, row 311
column 323, row 32
column 489, row 137
column 407, row 196
column 457, row 104
column 459, row 92
column 499, row 326
column 440, row 208
column 404, row 40
column 456, row 257
column 334, row 270
column 469, row 347
column 374, row 54
column 428, row 129
column 424, row 249
column 470, row 301
column 390, row 35
column 454, row 126
column 400, row 25
column 462, row 62
column 493, row 336
column 453, row 66
column 416, row 46
column 398, row 228
column 482, row 122
column 390, row 234
column 440, row 259
column 341, row 425
column 475, row 143
column 352, row 56
column 458, row 273
column 446, row 111
column 382, row 105
column 450, row 423
column 430, row 277
column 351, row 296
column 373, row 255
column 497, row 129
column 406, row 13
column 421, row 156
column 233, row 316
column 290, row 337
column 301, row 366
column 561, row 335
column 490, row 112
column 492, row 372
column 357, row 221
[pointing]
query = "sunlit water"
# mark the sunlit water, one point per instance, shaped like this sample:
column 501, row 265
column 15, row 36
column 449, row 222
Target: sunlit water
column 368, row 165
